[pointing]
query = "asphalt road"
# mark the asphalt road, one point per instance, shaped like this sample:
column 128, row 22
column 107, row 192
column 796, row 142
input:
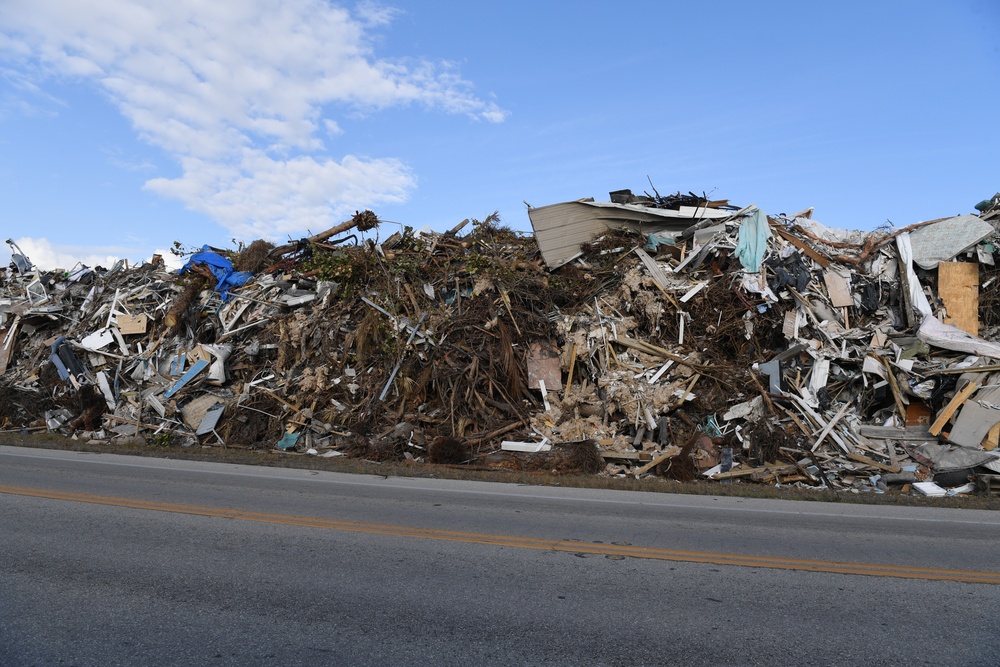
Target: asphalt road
column 132, row 561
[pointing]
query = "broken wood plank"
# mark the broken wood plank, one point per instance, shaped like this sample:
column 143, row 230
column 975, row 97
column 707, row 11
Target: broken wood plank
column 476, row 439
column 615, row 456
column 953, row 405
column 891, row 433
column 674, row 450
column 833, row 422
column 151, row 427
column 854, row 456
column 736, row 471
column 798, row 422
column 819, row 421
column 992, row 439
column 974, row 421
column 656, row 351
column 966, row 369
column 572, row 367
column 800, row 244
column 897, row 396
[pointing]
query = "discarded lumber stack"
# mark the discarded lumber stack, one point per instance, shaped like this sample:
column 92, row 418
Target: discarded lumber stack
column 670, row 336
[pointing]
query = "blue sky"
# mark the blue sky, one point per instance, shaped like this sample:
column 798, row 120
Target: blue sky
column 126, row 125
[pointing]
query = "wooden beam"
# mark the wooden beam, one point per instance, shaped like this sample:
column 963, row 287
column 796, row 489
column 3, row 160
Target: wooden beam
column 801, row 245
column 953, row 405
column 854, row 456
column 672, row 451
column 992, row 439
column 614, row 456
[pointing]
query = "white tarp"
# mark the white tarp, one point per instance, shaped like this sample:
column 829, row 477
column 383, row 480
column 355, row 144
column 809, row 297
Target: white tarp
column 917, row 296
column 934, row 332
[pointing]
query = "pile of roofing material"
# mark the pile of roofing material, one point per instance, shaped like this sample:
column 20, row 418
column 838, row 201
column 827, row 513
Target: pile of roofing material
column 669, row 336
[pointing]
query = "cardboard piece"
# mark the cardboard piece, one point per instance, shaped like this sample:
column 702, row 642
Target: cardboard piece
column 132, row 324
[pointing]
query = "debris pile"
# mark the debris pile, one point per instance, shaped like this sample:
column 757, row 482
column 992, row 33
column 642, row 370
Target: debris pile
column 674, row 336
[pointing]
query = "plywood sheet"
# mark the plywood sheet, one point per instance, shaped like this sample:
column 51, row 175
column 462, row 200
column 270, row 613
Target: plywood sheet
column 840, row 291
column 544, row 364
column 958, row 287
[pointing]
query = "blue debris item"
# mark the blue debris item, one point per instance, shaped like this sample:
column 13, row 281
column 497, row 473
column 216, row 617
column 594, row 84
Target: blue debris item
column 198, row 367
column 726, row 459
column 221, row 268
column 177, row 363
column 655, row 239
column 711, row 427
column 754, row 233
column 65, row 361
column 288, row 441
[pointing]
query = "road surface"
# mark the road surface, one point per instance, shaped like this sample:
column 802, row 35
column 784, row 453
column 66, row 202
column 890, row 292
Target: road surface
column 113, row 560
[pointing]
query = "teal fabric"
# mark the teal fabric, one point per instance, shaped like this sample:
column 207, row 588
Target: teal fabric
column 754, row 233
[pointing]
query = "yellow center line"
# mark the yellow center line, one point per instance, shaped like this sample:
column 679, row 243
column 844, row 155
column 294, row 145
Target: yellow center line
column 568, row 546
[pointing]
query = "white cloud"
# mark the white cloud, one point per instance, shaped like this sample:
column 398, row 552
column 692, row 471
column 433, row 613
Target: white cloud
column 48, row 256
column 265, row 197
column 239, row 94
column 170, row 260
column 375, row 14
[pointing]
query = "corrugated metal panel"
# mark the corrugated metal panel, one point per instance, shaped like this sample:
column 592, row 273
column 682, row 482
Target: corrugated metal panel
column 560, row 229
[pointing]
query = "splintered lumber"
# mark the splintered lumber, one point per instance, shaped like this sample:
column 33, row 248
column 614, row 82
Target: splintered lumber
column 736, row 471
column 964, row 369
column 829, row 427
column 811, row 253
column 890, row 433
column 671, row 451
column 137, row 423
column 690, row 388
column 657, row 351
column 611, row 455
column 953, row 405
column 992, row 439
column 819, row 421
column 860, row 458
column 495, row 434
column 890, row 377
column 572, row 367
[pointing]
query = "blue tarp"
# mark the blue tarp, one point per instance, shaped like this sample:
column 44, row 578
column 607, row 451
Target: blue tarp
column 754, row 233
column 221, row 268
column 656, row 239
